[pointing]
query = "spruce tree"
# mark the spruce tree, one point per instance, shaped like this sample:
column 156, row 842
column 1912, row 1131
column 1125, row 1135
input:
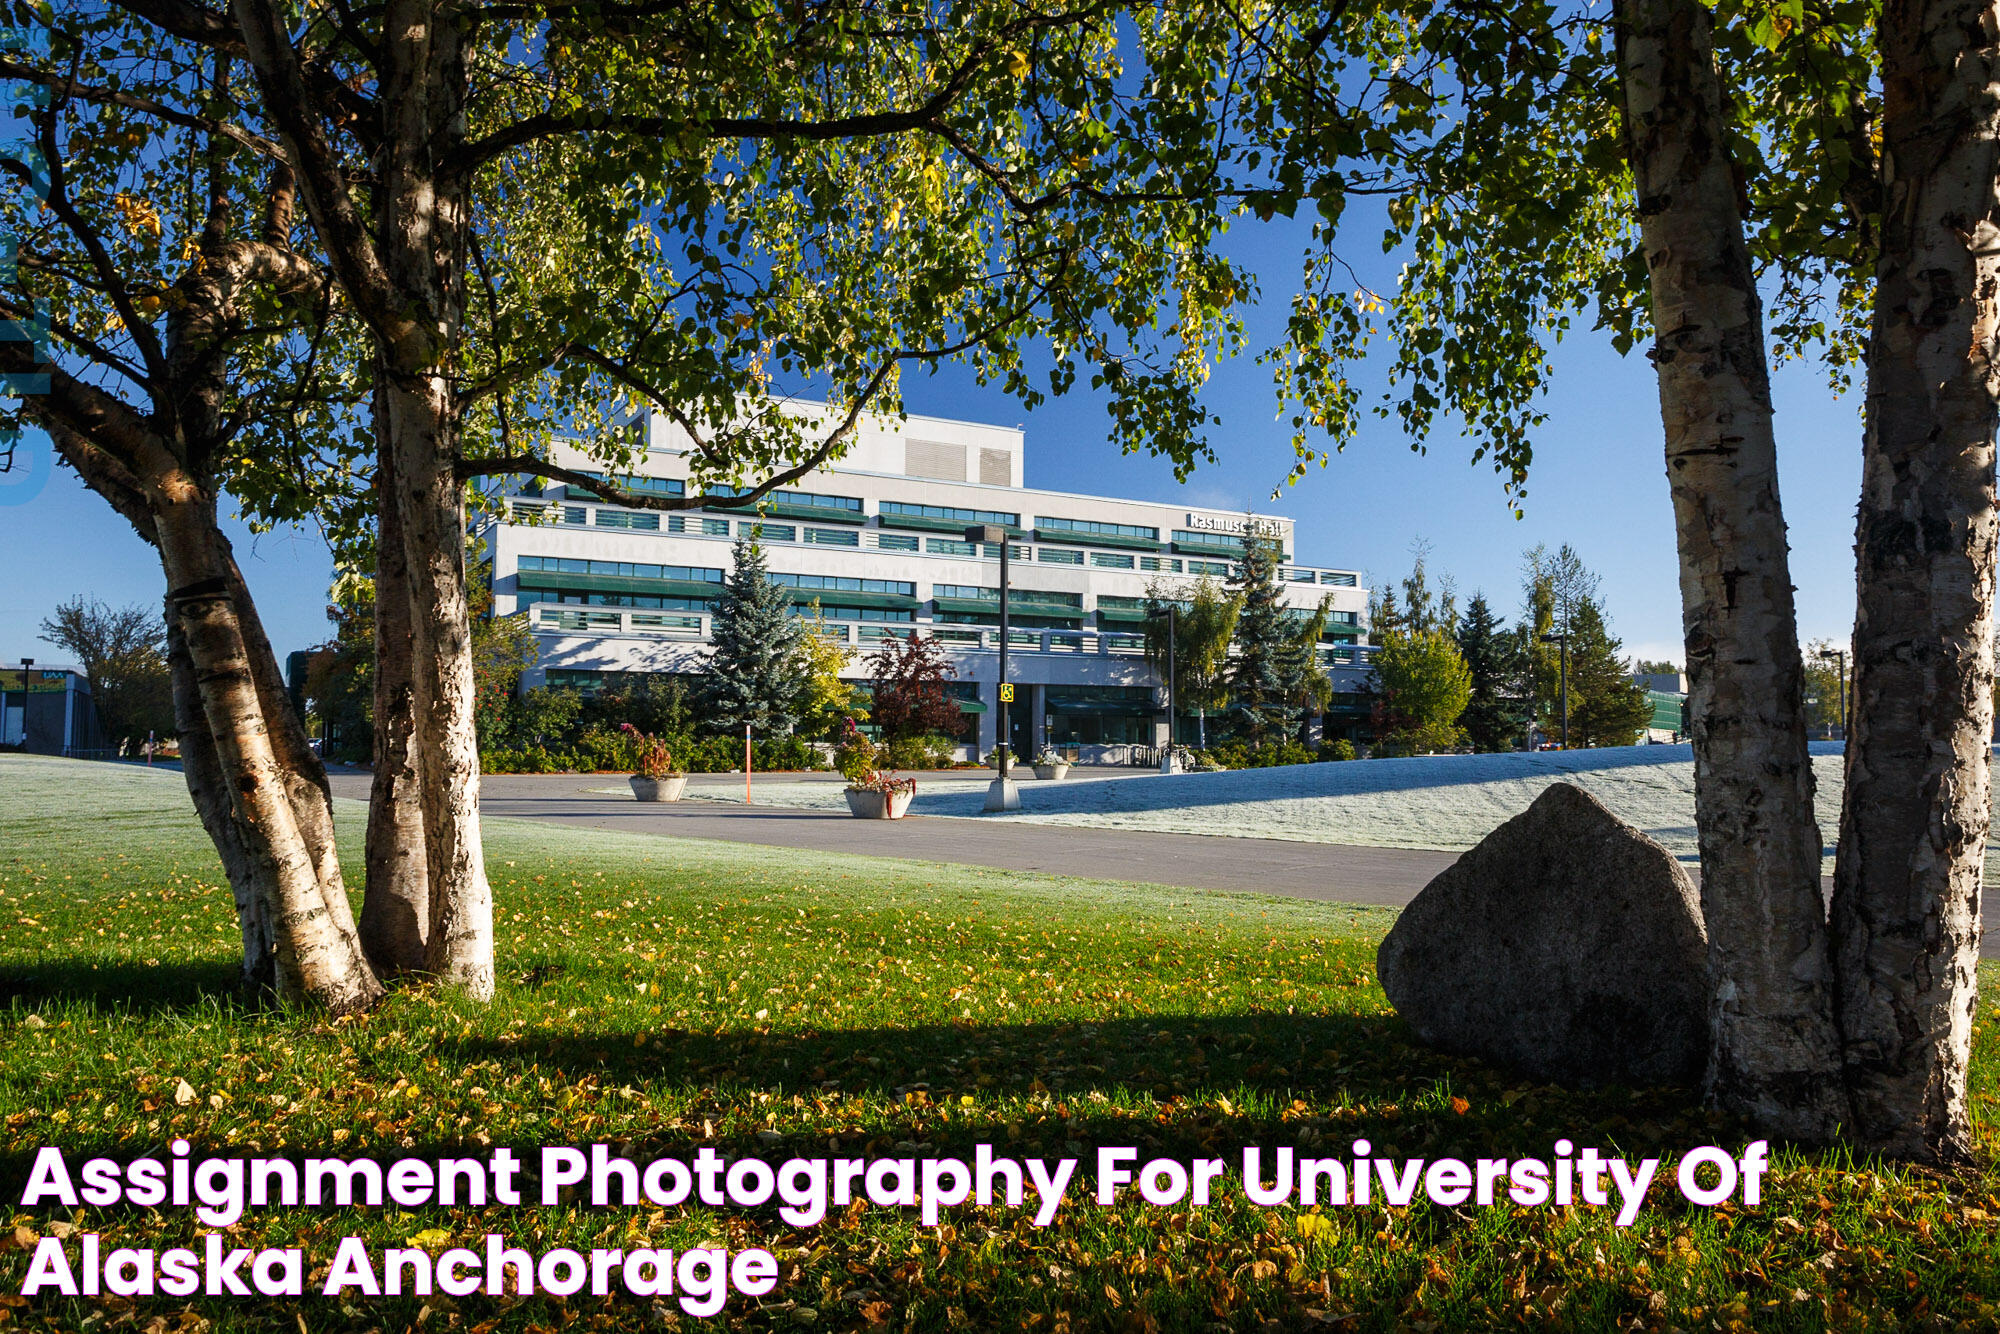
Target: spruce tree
column 1605, row 707
column 1263, row 670
column 1495, row 712
column 755, row 674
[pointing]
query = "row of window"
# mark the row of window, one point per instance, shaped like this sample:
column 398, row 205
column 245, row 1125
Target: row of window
column 831, row 611
column 843, row 584
column 813, row 499
column 953, row 513
column 639, row 521
column 1094, row 527
column 630, row 569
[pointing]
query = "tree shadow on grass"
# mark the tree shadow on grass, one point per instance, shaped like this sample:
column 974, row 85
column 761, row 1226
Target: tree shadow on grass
column 1164, row 1083
column 123, row 986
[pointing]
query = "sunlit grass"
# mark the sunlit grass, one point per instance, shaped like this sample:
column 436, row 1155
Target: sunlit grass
column 669, row 994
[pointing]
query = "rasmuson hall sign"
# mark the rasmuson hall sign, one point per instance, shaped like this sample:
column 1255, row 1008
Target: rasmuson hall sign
column 1210, row 523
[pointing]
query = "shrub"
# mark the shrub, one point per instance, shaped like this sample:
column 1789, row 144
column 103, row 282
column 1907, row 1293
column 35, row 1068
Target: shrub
column 655, row 759
column 1340, row 748
column 930, row 751
column 1236, row 755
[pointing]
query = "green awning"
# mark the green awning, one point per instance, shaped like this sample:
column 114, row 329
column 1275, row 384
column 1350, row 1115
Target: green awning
column 1097, row 539
column 1231, row 550
column 929, row 525
column 1129, row 615
column 971, row 706
column 616, row 583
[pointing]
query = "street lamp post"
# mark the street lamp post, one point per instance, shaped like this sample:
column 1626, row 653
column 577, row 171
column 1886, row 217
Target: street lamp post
column 1839, row 657
column 26, row 663
column 1001, row 794
column 1168, row 613
column 1562, row 677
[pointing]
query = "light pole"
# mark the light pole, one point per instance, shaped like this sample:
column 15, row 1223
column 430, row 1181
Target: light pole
column 1168, row 613
column 1001, row 794
column 1562, row 677
column 26, row 663
column 1839, row 657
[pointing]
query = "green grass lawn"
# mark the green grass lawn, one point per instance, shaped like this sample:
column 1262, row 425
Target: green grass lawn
column 669, row 994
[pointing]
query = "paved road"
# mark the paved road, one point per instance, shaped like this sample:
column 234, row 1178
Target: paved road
column 1387, row 877
column 1383, row 877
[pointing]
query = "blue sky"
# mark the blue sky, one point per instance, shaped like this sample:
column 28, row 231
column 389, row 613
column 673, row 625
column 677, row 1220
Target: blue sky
column 1598, row 483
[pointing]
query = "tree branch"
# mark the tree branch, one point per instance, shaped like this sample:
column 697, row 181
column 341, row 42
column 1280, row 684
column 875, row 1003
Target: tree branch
column 63, row 86
column 292, row 108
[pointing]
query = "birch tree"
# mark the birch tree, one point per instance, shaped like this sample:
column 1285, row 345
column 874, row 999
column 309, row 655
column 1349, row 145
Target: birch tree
column 1914, row 824
column 153, row 419
column 1774, row 1055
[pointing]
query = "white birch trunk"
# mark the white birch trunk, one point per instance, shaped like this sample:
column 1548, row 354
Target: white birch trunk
column 420, row 237
column 1775, row 1057
column 396, row 913
column 1913, row 827
column 317, row 957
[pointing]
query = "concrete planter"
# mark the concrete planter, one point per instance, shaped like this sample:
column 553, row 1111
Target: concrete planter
column 868, row 803
column 1049, row 772
column 658, row 789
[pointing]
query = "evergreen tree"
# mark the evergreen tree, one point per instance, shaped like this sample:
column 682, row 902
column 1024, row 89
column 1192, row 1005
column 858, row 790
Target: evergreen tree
column 1422, row 685
column 1385, row 617
column 1495, row 709
column 1264, row 668
column 1605, row 707
column 754, row 675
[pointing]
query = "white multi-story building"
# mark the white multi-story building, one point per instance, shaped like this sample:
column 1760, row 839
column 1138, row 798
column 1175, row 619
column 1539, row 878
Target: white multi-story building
column 878, row 541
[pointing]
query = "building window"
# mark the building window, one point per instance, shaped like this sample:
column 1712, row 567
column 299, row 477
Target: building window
column 715, row 527
column 767, row 532
column 806, row 499
column 1110, row 560
column 522, row 512
column 574, row 514
column 1338, row 579
column 1299, row 576
column 1344, row 618
column 654, row 486
column 838, row 613
column 942, row 546
column 964, row 591
column 1121, row 604
column 965, row 516
column 629, row 569
column 1220, row 567
column 897, row 541
column 843, row 584
column 642, row 523
column 833, row 537
column 574, row 598
column 1094, row 528
column 1057, row 556
column 1160, row 564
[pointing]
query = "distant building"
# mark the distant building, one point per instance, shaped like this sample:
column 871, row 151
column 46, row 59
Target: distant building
column 877, row 539
column 48, row 711
column 1668, row 692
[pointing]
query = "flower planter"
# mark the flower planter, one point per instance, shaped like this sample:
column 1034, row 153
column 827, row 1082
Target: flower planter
column 871, row 803
column 1047, row 772
column 658, row 789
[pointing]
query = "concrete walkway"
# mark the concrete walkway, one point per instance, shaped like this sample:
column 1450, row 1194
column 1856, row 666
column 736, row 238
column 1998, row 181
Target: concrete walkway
column 1381, row 877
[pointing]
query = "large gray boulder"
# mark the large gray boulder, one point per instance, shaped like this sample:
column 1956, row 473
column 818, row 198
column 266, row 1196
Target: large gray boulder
column 1567, row 945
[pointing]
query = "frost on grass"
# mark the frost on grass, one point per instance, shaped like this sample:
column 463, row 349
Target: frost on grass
column 1445, row 802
